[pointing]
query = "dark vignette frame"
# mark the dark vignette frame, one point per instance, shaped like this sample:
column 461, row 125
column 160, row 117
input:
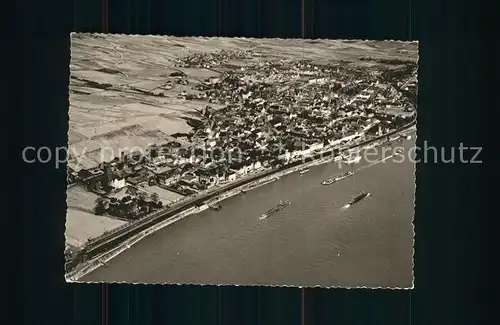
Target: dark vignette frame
column 449, row 281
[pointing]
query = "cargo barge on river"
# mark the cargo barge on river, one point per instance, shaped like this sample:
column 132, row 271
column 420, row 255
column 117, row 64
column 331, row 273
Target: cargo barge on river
column 332, row 180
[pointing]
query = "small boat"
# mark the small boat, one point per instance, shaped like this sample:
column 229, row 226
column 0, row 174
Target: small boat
column 303, row 171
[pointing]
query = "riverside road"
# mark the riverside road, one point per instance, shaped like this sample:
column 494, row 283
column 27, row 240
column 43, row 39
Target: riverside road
column 312, row 242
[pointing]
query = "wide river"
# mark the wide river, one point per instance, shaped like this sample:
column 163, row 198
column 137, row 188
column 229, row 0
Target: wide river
column 312, row 242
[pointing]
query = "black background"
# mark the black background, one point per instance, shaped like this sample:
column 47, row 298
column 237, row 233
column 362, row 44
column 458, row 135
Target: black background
column 454, row 283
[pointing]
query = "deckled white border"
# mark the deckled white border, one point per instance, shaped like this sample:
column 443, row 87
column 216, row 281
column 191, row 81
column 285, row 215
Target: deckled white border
column 136, row 238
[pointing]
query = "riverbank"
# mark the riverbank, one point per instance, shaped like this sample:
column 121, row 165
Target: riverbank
column 252, row 182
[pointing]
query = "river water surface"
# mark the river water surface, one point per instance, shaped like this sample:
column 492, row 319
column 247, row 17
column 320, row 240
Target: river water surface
column 311, row 242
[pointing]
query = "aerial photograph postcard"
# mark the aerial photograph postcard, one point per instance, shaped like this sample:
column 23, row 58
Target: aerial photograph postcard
column 241, row 161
